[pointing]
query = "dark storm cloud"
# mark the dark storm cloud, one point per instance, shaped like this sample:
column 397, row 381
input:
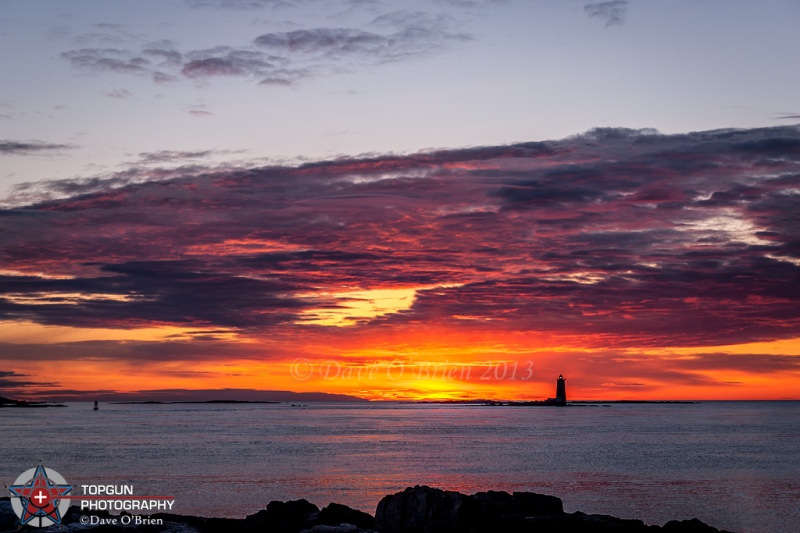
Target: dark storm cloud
column 629, row 236
column 612, row 13
column 30, row 147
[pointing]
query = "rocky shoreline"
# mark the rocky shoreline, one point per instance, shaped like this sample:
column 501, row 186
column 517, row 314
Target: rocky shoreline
column 419, row 509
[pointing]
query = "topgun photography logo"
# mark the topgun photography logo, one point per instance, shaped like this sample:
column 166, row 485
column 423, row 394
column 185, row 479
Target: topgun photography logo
column 38, row 497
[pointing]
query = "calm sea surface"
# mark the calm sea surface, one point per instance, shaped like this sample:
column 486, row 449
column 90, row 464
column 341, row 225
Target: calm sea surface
column 734, row 465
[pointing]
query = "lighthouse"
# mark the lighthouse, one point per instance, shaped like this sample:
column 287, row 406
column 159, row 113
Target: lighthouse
column 561, row 391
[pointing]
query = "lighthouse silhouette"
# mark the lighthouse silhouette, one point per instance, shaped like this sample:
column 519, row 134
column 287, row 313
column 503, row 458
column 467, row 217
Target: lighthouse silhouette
column 561, row 391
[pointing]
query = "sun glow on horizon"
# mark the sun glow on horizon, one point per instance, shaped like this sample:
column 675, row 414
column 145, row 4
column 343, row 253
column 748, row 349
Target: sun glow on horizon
column 436, row 364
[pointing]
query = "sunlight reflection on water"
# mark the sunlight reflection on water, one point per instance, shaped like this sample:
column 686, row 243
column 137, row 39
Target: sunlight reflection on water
column 731, row 464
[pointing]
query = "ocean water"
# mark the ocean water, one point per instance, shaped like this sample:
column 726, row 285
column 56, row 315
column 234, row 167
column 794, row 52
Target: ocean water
column 734, row 465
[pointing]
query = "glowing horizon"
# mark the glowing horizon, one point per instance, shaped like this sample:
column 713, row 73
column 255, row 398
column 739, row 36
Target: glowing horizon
column 197, row 194
column 664, row 269
column 444, row 371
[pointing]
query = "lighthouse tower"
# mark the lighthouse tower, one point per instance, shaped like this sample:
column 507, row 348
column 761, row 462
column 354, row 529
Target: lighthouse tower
column 561, row 391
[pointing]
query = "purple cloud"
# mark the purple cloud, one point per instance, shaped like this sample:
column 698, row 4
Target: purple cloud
column 630, row 236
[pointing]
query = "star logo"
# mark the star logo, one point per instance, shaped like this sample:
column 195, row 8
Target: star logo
column 38, row 493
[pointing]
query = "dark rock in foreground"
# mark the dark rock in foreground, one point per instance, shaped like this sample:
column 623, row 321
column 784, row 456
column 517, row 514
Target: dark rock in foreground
column 300, row 515
column 424, row 509
column 419, row 509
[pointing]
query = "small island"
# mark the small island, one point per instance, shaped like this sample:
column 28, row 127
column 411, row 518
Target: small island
column 8, row 402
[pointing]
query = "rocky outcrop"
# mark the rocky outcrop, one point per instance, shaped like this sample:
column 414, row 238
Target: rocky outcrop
column 419, row 509
column 282, row 517
column 688, row 526
column 423, row 509
column 301, row 515
column 336, row 513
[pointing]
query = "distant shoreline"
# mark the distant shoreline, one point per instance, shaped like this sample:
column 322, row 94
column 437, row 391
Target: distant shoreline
column 540, row 403
column 303, row 402
column 8, row 402
column 159, row 402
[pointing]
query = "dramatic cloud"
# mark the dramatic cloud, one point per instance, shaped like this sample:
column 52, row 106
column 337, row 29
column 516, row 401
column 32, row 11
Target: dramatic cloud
column 629, row 237
column 30, row 147
column 612, row 13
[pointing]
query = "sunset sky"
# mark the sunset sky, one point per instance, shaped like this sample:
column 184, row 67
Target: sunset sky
column 400, row 200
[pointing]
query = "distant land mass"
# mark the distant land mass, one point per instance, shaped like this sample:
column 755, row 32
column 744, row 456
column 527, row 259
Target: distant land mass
column 513, row 403
column 224, row 402
column 198, row 395
column 8, row 402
